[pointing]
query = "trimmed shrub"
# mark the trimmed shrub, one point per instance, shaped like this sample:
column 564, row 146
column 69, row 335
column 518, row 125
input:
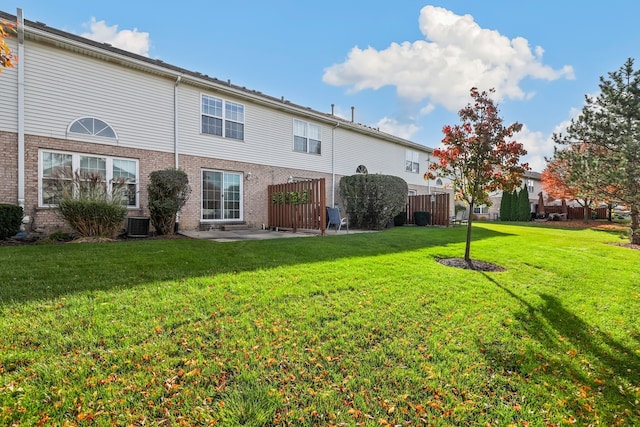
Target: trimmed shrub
column 168, row 192
column 400, row 219
column 372, row 200
column 10, row 220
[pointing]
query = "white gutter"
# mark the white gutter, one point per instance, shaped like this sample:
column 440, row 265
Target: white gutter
column 21, row 168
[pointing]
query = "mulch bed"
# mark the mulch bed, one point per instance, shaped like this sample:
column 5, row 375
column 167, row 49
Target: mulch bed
column 470, row 265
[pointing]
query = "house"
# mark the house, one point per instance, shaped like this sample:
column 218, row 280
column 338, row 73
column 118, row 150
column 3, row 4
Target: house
column 76, row 104
column 531, row 180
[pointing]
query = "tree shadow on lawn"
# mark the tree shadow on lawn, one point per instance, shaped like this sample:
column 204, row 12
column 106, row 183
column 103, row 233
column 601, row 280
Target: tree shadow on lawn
column 578, row 353
column 50, row 271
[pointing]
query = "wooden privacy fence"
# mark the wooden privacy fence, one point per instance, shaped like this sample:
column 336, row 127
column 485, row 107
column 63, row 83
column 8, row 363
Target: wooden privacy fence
column 298, row 205
column 577, row 212
column 436, row 204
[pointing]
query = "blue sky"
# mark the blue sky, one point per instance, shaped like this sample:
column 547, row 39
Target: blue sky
column 406, row 66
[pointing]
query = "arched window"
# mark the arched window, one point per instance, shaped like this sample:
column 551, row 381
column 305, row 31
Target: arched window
column 93, row 127
column 438, row 182
column 362, row 169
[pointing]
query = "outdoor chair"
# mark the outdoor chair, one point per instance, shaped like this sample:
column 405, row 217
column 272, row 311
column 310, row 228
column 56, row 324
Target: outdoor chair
column 333, row 218
column 462, row 217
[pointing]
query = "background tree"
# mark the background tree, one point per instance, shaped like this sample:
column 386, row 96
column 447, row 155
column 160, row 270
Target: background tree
column 611, row 121
column 524, row 206
column 7, row 57
column 513, row 206
column 478, row 155
column 579, row 173
column 505, row 205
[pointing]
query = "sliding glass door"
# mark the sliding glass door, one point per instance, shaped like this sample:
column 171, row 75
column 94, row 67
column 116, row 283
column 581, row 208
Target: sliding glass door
column 221, row 195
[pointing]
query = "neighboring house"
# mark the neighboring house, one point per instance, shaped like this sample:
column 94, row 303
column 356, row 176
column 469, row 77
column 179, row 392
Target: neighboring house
column 533, row 182
column 75, row 104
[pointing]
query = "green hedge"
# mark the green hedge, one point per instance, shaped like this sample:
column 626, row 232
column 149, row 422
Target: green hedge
column 373, row 200
column 10, row 220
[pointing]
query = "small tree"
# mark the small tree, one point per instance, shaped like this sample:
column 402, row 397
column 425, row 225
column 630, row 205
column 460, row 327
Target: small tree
column 168, row 192
column 478, row 156
column 10, row 220
column 524, row 206
column 372, row 199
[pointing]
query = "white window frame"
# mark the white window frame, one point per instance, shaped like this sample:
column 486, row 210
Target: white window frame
column 231, row 115
column 92, row 127
column 481, row 210
column 308, row 132
column 530, row 186
column 222, row 218
column 75, row 165
column 412, row 161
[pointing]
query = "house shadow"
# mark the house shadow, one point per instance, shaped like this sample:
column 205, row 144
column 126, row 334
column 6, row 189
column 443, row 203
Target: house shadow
column 89, row 267
column 577, row 352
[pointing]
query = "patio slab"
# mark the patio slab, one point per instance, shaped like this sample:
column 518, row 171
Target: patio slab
column 257, row 234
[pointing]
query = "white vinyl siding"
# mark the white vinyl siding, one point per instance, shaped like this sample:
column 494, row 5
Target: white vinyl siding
column 137, row 104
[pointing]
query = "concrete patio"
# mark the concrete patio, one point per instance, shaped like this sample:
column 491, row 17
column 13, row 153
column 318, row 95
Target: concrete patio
column 259, row 234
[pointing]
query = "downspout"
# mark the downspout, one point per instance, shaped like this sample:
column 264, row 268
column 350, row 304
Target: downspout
column 333, row 165
column 176, row 144
column 175, row 121
column 20, row 112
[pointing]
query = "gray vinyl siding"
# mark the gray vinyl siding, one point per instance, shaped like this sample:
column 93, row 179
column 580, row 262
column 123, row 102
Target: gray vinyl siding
column 137, row 105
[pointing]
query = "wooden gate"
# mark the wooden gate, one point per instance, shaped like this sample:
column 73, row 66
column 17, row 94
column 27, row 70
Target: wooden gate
column 436, row 204
column 298, row 205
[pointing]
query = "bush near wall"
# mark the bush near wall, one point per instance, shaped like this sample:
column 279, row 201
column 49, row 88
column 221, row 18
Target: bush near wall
column 10, row 220
column 373, row 200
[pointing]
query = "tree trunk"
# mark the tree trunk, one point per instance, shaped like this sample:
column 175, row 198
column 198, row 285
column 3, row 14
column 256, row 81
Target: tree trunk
column 467, row 248
column 635, row 225
column 586, row 213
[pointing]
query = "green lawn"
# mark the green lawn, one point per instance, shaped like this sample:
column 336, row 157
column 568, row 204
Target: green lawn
column 359, row 329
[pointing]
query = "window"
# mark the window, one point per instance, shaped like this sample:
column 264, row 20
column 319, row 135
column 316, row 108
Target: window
column 222, row 118
column 411, row 163
column 362, row 169
column 92, row 126
column 221, row 195
column 530, row 187
column 307, row 137
column 481, row 210
column 438, row 182
column 413, row 193
column 57, row 170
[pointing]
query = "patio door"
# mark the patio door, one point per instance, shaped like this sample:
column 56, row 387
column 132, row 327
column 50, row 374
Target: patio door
column 221, row 195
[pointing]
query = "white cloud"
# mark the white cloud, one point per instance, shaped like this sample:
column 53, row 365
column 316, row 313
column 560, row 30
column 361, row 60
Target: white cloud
column 393, row 127
column 130, row 40
column 538, row 147
column 456, row 55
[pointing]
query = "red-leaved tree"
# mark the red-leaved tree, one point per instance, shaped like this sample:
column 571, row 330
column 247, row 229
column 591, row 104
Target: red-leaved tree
column 479, row 156
column 7, row 57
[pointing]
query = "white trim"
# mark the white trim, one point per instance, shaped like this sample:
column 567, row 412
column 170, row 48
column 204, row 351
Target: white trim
column 75, row 165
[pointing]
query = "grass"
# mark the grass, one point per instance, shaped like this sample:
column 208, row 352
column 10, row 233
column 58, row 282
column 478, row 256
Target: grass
column 360, row 329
